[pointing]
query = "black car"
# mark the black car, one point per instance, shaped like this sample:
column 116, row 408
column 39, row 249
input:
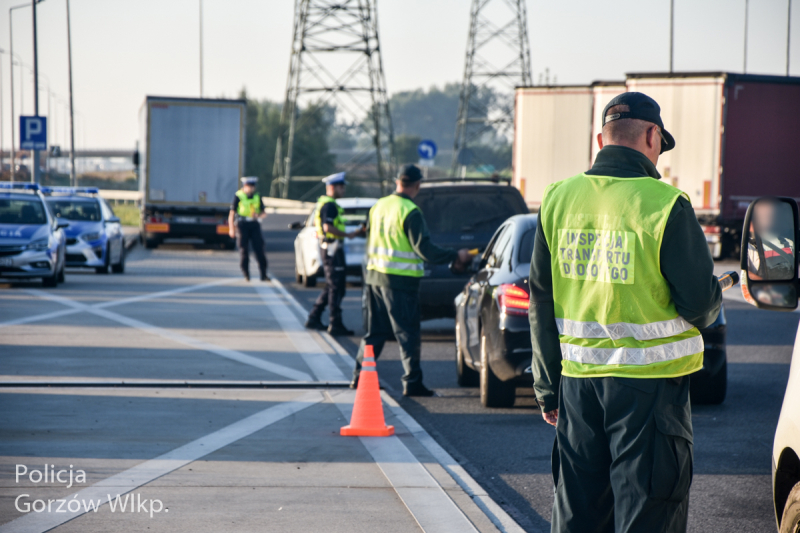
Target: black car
column 460, row 214
column 493, row 343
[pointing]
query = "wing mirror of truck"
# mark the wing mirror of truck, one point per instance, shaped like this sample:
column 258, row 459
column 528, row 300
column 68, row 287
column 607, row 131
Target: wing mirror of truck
column 769, row 254
column 296, row 225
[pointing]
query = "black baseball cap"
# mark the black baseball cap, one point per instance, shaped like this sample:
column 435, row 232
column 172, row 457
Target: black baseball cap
column 644, row 108
column 410, row 174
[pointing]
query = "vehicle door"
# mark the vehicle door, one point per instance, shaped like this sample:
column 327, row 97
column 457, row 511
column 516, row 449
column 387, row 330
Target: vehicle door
column 310, row 245
column 478, row 286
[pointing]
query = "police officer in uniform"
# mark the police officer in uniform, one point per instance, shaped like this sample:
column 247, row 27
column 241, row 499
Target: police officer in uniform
column 331, row 233
column 621, row 279
column 243, row 223
column 398, row 244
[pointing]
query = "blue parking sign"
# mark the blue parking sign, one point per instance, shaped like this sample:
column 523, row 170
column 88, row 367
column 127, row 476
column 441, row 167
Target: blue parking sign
column 33, row 133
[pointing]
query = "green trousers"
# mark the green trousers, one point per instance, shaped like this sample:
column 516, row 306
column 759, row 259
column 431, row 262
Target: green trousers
column 622, row 460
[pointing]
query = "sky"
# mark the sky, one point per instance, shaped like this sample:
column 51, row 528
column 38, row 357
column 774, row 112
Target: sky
column 123, row 50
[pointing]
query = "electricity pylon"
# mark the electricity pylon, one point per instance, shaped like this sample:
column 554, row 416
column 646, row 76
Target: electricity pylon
column 498, row 59
column 336, row 61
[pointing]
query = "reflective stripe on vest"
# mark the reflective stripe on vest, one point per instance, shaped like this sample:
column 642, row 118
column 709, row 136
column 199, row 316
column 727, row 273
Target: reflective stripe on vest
column 614, row 310
column 620, row 330
column 338, row 222
column 389, row 250
column 248, row 207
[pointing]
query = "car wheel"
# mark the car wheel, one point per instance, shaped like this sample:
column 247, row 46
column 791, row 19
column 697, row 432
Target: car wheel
column 494, row 393
column 50, row 281
column 150, row 243
column 790, row 521
column 119, row 268
column 298, row 277
column 465, row 376
column 104, row 269
column 711, row 390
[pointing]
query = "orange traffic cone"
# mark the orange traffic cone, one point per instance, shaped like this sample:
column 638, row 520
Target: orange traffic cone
column 367, row 419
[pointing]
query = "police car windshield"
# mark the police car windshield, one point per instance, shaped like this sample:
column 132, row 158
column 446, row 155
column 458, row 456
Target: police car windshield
column 82, row 210
column 22, row 211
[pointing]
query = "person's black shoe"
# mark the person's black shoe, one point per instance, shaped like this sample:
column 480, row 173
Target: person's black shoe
column 264, row 277
column 354, row 383
column 315, row 323
column 338, row 330
column 246, row 276
column 419, row 390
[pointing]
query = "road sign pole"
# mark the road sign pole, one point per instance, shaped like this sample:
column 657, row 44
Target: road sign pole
column 73, row 179
column 35, row 161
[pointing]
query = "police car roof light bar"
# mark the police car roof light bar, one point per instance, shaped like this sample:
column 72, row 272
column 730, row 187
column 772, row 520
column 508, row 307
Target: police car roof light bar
column 71, row 190
column 22, row 186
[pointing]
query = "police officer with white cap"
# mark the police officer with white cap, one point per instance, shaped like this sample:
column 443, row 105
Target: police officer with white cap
column 329, row 222
column 243, row 223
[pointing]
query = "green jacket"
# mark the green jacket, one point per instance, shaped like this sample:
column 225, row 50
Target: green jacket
column 686, row 264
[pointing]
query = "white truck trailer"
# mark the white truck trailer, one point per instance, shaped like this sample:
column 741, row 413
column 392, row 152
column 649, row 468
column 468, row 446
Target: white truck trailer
column 734, row 140
column 192, row 156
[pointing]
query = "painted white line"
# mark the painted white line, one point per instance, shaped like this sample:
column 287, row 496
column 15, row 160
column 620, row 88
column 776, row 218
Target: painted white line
column 341, row 352
column 148, row 471
column 485, row 503
column 317, row 360
column 140, row 298
column 233, row 355
column 494, row 512
column 425, row 499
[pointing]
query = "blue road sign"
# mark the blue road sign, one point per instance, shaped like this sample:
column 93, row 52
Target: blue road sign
column 33, row 133
column 426, row 149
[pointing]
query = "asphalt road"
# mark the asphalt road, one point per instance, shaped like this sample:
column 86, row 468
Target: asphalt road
column 508, row 450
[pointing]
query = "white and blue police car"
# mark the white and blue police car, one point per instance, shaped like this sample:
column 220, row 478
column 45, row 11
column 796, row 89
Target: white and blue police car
column 94, row 236
column 32, row 240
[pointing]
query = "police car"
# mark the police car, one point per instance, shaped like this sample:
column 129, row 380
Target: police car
column 32, row 240
column 94, row 236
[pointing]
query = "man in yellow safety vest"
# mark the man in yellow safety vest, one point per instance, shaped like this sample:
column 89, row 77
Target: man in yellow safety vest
column 621, row 279
column 243, row 224
column 398, row 244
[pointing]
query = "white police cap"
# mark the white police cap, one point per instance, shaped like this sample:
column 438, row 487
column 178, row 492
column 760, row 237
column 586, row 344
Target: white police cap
column 334, row 179
column 249, row 180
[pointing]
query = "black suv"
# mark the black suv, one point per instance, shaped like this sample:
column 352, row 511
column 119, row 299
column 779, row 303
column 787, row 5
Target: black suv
column 460, row 214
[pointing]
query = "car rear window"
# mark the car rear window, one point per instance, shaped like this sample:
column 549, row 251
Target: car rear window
column 22, row 211
column 454, row 210
column 526, row 246
column 83, row 210
column 355, row 215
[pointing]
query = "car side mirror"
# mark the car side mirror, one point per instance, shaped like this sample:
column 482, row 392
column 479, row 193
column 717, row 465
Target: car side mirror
column 112, row 220
column 296, row 225
column 769, row 254
column 62, row 223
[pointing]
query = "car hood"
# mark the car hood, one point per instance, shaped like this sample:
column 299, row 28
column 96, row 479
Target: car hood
column 16, row 234
column 78, row 227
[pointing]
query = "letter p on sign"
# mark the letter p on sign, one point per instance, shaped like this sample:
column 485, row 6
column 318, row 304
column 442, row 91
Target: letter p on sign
column 33, row 133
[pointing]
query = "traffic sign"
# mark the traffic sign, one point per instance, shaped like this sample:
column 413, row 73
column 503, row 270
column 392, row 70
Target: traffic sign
column 33, row 133
column 426, row 149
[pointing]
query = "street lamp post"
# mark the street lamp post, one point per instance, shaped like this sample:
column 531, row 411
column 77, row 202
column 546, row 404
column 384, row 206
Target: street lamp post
column 788, row 35
column 35, row 162
column 11, row 62
column 73, row 179
column 201, row 48
column 746, row 2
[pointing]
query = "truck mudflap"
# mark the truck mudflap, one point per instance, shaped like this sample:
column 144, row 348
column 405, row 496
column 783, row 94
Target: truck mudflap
column 714, row 240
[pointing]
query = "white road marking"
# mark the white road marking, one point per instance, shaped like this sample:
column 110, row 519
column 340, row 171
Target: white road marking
column 148, row 471
column 140, row 298
column 425, row 499
column 317, row 360
column 494, row 512
column 233, row 355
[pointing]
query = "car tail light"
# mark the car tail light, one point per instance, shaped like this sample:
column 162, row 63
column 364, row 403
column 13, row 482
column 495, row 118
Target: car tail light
column 513, row 300
column 711, row 229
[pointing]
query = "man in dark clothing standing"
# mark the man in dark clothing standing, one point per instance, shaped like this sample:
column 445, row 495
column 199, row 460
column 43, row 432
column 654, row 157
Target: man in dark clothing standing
column 243, row 223
column 398, row 245
column 329, row 222
column 621, row 279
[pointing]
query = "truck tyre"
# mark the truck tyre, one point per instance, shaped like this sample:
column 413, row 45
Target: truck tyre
column 790, row 521
column 150, row 243
column 229, row 244
column 119, row 268
column 465, row 376
column 712, row 390
column 494, row 393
